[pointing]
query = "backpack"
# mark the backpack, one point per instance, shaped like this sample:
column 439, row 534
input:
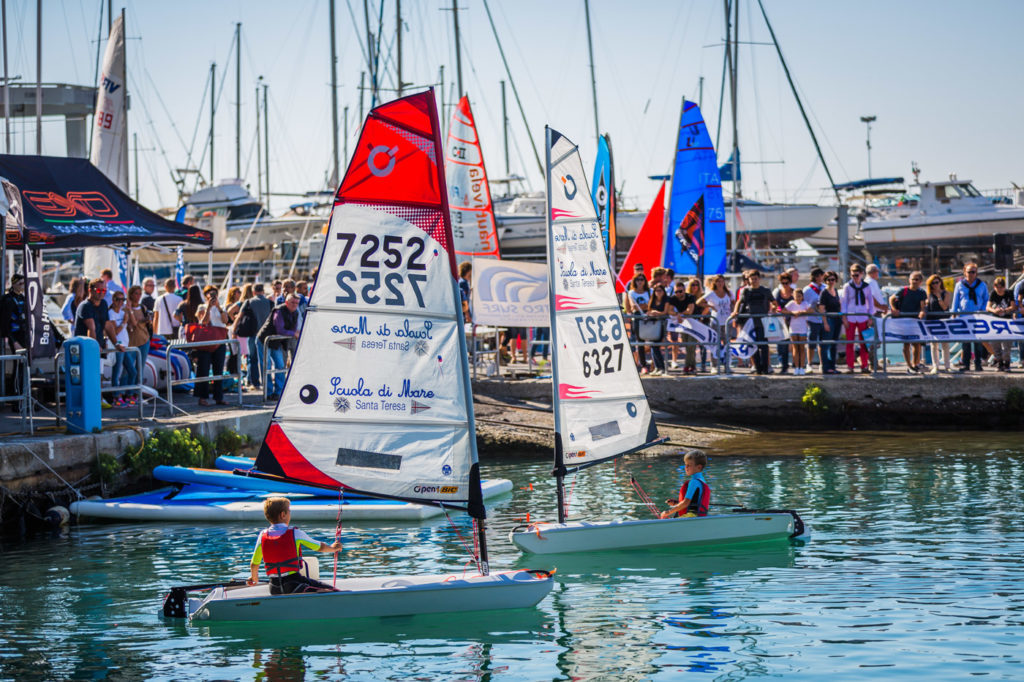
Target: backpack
column 247, row 325
column 268, row 329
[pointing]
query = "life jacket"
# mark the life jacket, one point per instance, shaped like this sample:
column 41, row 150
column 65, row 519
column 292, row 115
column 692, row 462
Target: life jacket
column 700, row 502
column 280, row 554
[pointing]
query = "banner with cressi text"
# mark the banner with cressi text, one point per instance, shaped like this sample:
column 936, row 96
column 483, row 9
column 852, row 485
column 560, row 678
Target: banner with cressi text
column 510, row 293
column 967, row 328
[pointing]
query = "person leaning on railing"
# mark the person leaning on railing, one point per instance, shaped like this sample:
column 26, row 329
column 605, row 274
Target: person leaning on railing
column 1001, row 304
column 718, row 301
column 756, row 301
column 211, row 314
column 970, row 295
column 639, row 296
column 910, row 302
column 783, row 295
column 935, row 308
column 683, row 303
column 283, row 321
column 858, row 305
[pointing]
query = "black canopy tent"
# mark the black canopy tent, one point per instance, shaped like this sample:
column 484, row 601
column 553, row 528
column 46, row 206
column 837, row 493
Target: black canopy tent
column 67, row 203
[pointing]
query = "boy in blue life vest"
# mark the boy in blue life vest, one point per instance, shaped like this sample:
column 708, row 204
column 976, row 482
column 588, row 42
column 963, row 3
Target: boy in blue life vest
column 280, row 548
column 695, row 494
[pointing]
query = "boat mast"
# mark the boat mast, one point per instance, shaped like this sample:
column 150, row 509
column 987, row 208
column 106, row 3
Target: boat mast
column 593, row 78
column 398, row 45
column 213, row 111
column 259, row 147
column 39, row 77
column 238, row 100
column 504, row 126
column 458, row 48
column 737, row 183
column 559, row 469
column 266, row 145
column 335, row 174
column 7, row 86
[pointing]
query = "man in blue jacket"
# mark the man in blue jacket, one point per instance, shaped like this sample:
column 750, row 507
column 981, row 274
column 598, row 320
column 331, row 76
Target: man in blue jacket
column 970, row 296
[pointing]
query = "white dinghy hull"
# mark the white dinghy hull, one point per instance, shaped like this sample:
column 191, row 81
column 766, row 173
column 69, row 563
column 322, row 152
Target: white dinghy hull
column 377, row 597
column 585, row 536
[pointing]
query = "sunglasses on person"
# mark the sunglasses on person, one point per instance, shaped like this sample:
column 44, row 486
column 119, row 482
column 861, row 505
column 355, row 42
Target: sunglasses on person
column 118, row 298
column 969, row 272
column 830, row 279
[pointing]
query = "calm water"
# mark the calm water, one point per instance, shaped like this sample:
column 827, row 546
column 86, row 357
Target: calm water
column 914, row 569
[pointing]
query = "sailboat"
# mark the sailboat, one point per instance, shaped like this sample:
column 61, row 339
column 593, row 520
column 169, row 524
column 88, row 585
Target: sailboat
column 600, row 408
column 693, row 240
column 378, row 399
column 469, row 194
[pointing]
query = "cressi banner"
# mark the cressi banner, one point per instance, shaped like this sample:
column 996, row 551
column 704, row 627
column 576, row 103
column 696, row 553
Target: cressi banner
column 509, row 293
column 967, row 328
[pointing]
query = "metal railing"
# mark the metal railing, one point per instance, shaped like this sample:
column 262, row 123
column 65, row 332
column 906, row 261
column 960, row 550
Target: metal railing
column 171, row 382
column 25, row 396
column 136, row 387
column 266, row 371
column 950, row 340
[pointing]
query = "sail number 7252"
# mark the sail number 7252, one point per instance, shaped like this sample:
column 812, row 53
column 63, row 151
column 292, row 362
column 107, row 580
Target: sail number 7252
column 388, row 253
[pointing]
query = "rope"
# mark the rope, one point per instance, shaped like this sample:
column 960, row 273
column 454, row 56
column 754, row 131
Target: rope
column 644, row 496
column 473, row 552
column 337, row 533
column 568, row 498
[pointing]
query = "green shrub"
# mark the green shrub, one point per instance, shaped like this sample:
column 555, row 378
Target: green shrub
column 1015, row 399
column 179, row 447
column 230, row 442
column 815, row 399
column 107, row 468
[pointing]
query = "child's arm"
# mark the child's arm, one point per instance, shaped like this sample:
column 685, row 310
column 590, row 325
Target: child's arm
column 254, row 576
column 333, row 549
column 676, row 508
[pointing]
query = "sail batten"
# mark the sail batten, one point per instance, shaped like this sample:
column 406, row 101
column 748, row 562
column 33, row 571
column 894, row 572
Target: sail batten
column 377, row 398
column 469, row 194
column 601, row 409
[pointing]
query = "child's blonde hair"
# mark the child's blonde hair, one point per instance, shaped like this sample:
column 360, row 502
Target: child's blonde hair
column 697, row 457
column 275, row 507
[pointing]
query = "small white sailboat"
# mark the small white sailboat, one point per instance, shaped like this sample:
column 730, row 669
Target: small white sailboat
column 378, row 398
column 600, row 407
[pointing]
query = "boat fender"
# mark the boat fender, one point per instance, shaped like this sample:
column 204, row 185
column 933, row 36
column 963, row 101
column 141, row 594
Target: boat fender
column 798, row 523
column 58, row 516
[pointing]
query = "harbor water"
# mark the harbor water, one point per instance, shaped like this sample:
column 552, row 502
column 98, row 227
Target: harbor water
column 913, row 569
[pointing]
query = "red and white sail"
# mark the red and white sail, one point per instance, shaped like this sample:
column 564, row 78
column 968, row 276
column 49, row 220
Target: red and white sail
column 378, row 396
column 469, row 194
column 601, row 410
column 648, row 244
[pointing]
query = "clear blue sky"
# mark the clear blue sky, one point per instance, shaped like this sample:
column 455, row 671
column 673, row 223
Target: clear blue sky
column 942, row 77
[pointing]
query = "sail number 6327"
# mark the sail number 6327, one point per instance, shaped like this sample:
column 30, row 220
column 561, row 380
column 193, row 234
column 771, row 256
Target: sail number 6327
column 604, row 360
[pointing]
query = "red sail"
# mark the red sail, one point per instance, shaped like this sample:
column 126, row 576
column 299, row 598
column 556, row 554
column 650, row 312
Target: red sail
column 398, row 166
column 646, row 247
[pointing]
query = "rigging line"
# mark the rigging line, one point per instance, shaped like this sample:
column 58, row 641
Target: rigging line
column 803, row 113
column 199, row 116
column 74, row 62
column 757, row 103
column 515, row 90
column 149, row 121
column 163, row 104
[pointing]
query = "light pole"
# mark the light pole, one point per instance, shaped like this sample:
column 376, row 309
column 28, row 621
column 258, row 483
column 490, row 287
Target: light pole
column 868, row 120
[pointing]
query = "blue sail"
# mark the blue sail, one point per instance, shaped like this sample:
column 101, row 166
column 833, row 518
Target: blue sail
column 603, row 193
column 695, row 234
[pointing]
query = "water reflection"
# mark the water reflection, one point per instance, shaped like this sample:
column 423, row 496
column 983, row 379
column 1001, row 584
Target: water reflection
column 914, row 564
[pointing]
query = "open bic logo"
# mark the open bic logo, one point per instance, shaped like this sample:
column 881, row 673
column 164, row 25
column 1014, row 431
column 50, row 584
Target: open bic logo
column 71, row 205
column 509, row 285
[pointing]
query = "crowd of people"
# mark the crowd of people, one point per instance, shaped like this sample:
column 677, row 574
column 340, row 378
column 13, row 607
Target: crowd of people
column 821, row 317
column 186, row 313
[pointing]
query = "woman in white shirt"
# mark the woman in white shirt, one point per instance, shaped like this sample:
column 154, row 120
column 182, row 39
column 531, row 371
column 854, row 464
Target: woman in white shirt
column 720, row 303
column 123, row 371
column 798, row 309
column 210, row 313
column 640, row 297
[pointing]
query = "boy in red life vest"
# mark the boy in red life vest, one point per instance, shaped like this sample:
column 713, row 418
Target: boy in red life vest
column 695, row 495
column 280, row 548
